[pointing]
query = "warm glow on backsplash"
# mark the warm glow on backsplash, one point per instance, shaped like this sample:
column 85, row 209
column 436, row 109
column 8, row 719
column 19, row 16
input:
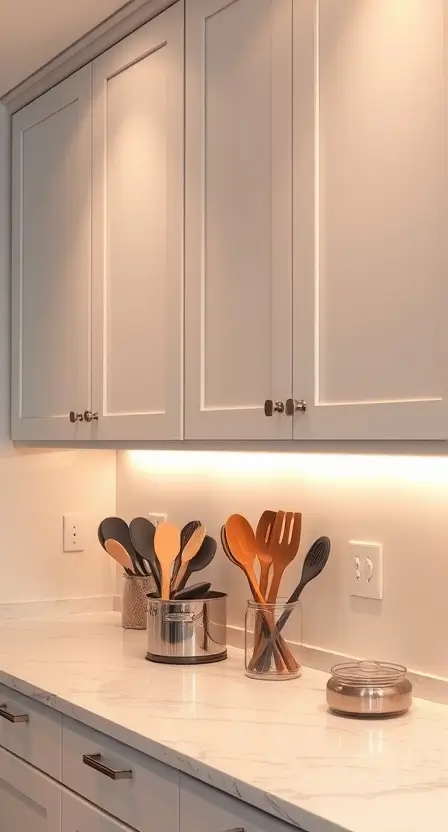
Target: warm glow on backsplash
column 423, row 469
column 398, row 501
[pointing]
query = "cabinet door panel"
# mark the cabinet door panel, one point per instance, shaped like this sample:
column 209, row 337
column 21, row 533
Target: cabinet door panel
column 370, row 264
column 137, row 232
column 51, row 262
column 238, row 217
column 205, row 809
column 80, row 816
column 29, row 800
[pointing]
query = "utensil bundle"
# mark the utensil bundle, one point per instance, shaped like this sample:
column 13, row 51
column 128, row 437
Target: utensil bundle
column 164, row 552
column 273, row 546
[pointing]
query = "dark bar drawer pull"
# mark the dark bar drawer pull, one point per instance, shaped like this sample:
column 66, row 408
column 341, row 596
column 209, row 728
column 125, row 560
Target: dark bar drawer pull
column 4, row 714
column 94, row 761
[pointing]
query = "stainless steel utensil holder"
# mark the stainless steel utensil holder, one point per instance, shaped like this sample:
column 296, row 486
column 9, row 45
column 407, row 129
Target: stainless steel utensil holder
column 188, row 632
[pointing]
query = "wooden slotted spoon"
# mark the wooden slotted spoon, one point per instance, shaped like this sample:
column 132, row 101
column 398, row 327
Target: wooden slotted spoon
column 166, row 545
column 189, row 551
column 283, row 545
column 262, row 536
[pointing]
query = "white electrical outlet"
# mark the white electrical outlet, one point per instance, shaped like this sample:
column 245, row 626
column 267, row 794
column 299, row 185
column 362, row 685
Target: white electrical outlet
column 157, row 518
column 73, row 536
column 366, row 569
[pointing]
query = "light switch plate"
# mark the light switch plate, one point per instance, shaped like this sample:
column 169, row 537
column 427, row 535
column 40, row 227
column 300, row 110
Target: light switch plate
column 366, row 569
column 73, row 535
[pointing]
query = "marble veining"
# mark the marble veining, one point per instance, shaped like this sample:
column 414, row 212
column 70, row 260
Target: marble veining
column 273, row 745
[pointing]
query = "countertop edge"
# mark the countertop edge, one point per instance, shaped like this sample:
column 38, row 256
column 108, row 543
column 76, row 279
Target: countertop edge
column 259, row 799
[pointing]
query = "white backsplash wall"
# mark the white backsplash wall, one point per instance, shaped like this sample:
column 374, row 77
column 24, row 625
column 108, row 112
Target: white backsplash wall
column 37, row 487
column 399, row 501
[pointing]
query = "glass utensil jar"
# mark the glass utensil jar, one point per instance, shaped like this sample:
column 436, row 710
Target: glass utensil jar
column 272, row 639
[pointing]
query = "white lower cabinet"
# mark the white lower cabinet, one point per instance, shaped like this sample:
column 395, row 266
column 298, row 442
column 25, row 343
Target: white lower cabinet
column 204, row 809
column 108, row 786
column 29, row 800
column 80, row 816
column 125, row 783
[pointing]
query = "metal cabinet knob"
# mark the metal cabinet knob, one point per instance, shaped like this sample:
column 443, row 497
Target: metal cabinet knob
column 295, row 406
column 271, row 407
column 75, row 417
column 90, row 417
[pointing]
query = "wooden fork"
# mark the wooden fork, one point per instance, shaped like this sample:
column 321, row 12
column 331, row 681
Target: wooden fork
column 283, row 546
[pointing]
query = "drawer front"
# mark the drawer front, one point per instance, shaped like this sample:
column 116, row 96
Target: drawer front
column 145, row 793
column 31, row 730
column 205, row 809
column 80, row 816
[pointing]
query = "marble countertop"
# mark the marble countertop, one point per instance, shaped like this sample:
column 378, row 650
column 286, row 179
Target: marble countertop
column 273, row 745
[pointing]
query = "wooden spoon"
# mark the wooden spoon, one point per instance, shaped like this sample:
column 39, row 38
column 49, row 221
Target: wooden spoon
column 119, row 553
column 115, row 528
column 189, row 551
column 200, row 561
column 185, row 535
column 283, row 546
column 166, row 545
column 241, row 541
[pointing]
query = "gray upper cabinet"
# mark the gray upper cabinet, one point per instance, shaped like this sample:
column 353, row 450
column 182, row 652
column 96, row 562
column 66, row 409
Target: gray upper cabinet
column 97, row 246
column 51, row 262
column 138, row 150
column 238, row 215
column 313, row 239
column 370, row 270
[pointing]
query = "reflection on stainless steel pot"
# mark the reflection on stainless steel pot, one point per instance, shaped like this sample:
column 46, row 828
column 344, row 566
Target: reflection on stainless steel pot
column 188, row 632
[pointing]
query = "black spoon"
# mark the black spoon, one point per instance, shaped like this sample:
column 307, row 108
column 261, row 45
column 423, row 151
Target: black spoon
column 202, row 559
column 313, row 564
column 142, row 533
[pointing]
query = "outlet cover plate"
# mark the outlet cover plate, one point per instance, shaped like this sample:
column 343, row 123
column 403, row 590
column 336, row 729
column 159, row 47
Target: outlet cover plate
column 157, row 518
column 366, row 569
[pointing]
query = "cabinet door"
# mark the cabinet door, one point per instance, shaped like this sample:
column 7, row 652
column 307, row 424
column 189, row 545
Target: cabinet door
column 80, row 816
column 29, row 800
column 138, row 152
column 51, row 262
column 205, row 809
column 370, row 298
column 238, row 217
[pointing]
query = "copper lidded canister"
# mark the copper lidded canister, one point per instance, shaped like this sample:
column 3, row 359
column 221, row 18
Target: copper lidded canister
column 369, row 689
